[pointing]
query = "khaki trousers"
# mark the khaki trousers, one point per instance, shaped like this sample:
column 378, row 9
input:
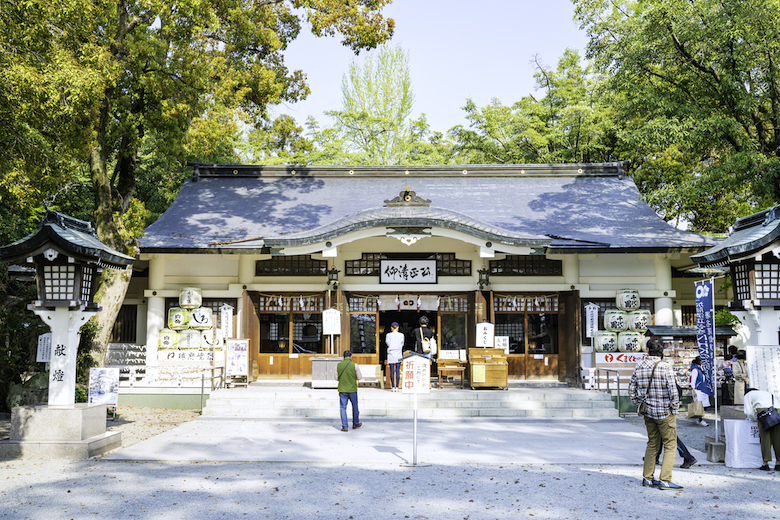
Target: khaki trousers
column 769, row 438
column 660, row 432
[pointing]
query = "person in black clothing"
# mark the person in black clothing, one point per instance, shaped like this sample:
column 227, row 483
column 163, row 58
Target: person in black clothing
column 419, row 333
column 688, row 459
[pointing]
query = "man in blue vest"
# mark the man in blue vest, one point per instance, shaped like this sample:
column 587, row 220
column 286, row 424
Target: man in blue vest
column 348, row 374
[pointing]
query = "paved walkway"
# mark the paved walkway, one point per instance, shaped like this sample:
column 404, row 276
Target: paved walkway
column 457, row 441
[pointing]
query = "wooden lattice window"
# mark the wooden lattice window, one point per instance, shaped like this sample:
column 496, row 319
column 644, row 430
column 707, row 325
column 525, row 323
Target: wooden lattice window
column 296, row 265
column 526, row 265
column 767, row 281
column 124, row 330
column 742, row 281
column 446, row 263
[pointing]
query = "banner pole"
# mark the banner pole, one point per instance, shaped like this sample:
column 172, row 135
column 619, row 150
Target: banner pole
column 714, row 369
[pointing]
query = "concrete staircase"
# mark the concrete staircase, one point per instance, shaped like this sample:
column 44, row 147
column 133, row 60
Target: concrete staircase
column 295, row 401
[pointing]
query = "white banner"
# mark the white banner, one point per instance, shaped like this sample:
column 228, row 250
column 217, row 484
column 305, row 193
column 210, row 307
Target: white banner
column 591, row 320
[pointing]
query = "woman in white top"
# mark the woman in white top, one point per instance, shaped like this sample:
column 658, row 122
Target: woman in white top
column 395, row 345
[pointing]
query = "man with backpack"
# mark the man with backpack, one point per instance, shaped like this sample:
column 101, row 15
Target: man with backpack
column 423, row 338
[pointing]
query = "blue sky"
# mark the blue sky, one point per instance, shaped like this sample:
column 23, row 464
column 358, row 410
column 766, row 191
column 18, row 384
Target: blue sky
column 458, row 49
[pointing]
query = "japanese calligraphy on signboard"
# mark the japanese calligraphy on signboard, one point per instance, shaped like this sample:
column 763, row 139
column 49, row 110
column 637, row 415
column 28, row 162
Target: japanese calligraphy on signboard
column 416, row 375
column 763, row 364
column 407, row 271
column 485, row 334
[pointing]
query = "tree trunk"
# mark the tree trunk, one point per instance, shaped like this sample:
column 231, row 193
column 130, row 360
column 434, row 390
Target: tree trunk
column 111, row 294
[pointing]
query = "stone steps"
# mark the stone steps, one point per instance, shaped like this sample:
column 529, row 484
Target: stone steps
column 296, row 402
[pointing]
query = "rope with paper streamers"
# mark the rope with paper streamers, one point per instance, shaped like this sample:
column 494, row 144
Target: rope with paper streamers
column 303, row 302
column 536, row 302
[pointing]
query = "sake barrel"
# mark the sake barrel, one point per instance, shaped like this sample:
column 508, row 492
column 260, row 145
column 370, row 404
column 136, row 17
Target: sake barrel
column 207, row 339
column 168, row 339
column 631, row 341
column 189, row 339
column 627, row 299
column 178, row 318
column 201, row 318
column 638, row 320
column 605, row 341
column 190, row 298
column 615, row 320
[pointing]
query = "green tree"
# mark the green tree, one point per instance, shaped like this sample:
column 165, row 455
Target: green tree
column 377, row 100
column 90, row 82
column 695, row 87
column 279, row 142
column 569, row 123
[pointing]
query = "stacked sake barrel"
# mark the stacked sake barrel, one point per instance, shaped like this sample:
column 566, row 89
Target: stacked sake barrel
column 624, row 327
column 190, row 326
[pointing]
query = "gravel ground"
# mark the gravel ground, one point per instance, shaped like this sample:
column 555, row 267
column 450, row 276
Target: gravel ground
column 46, row 489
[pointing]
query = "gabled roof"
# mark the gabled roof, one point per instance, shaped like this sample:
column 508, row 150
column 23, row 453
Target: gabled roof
column 554, row 208
column 751, row 236
column 68, row 235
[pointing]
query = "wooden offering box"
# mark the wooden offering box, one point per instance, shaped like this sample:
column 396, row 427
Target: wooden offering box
column 488, row 368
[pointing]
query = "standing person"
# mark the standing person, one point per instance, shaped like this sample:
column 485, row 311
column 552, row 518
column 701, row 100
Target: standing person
column 395, row 345
column 739, row 369
column 756, row 401
column 699, row 387
column 348, row 374
column 421, row 332
column 688, row 459
column 654, row 381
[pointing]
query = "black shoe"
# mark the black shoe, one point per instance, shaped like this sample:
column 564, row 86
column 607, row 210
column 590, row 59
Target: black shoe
column 777, row 467
column 650, row 483
column 765, row 467
column 668, row 485
column 688, row 463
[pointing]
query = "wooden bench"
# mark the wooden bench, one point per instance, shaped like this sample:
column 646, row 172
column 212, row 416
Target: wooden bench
column 372, row 374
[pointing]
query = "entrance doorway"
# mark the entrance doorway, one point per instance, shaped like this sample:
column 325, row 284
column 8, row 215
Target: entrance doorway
column 407, row 322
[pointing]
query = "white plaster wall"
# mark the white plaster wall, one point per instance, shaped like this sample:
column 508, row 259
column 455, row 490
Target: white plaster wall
column 202, row 266
column 760, row 327
column 620, row 266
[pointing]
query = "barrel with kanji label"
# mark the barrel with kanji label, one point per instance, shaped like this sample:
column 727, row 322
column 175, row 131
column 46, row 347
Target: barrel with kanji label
column 201, row 318
column 168, row 339
column 631, row 341
column 615, row 320
column 638, row 321
column 605, row 341
column 627, row 299
column 178, row 318
column 190, row 298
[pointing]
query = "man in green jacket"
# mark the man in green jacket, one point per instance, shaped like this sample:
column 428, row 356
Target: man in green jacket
column 348, row 374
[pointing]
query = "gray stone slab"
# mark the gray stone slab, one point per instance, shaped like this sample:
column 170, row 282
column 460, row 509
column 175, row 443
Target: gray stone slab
column 49, row 423
column 470, row 441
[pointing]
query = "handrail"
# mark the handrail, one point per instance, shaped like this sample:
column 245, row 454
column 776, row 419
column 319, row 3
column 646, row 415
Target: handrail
column 617, row 379
column 211, row 378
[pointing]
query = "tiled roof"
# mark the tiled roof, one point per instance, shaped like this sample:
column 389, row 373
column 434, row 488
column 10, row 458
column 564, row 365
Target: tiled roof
column 751, row 236
column 70, row 235
column 563, row 208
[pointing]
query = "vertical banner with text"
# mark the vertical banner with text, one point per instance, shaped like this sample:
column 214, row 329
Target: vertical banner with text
column 705, row 331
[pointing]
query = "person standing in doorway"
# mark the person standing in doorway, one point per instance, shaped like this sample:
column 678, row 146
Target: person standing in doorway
column 654, row 382
column 348, row 374
column 422, row 332
column 739, row 369
column 395, row 345
column 699, row 387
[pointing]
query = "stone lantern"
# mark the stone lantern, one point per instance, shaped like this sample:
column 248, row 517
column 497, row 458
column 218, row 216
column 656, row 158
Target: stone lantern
column 68, row 259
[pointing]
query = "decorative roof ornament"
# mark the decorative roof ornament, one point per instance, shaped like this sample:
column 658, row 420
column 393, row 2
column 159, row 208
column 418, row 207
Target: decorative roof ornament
column 408, row 198
column 408, row 235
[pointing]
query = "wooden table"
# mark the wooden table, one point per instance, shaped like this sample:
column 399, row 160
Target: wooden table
column 458, row 369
